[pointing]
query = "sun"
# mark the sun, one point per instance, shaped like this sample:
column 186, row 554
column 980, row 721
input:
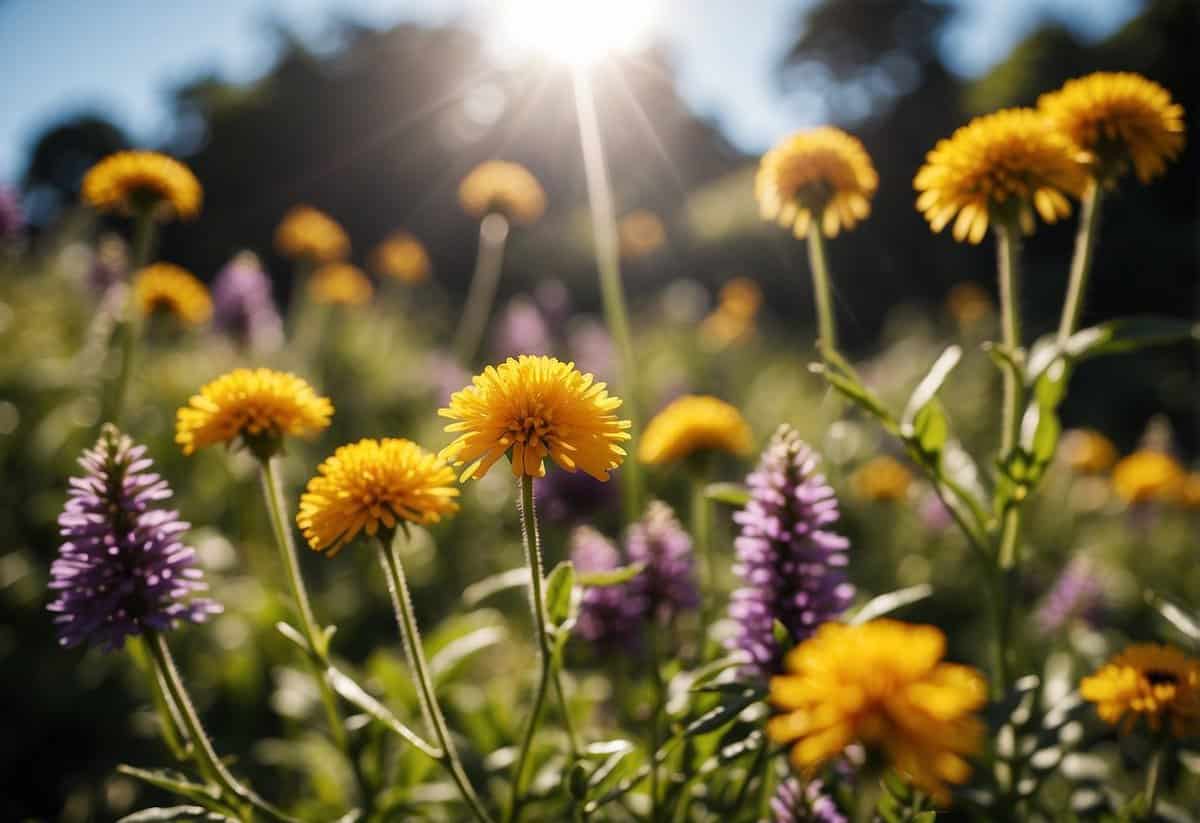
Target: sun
column 578, row 33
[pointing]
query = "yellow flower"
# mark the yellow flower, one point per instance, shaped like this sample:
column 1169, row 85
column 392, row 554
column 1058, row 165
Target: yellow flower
column 694, row 423
column 1147, row 475
column 129, row 181
column 372, row 484
column 340, row 284
column 882, row 478
column 403, row 257
column 1159, row 684
column 1118, row 118
column 1189, row 495
column 535, row 407
column 174, row 290
column 997, row 168
column 641, row 232
column 257, row 405
column 822, row 175
column 733, row 319
column 507, row 188
column 882, row 684
column 968, row 303
column 1087, row 451
column 311, row 234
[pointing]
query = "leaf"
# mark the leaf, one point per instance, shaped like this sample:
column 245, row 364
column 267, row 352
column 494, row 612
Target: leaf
column 857, row 393
column 929, row 386
column 353, row 693
column 929, row 430
column 1176, row 615
column 731, row 494
column 887, row 603
column 1040, row 430
column 450, row 656
column 178, row 784
column 611, row 577
column 559, row 587
column 1129, row 334
column 618, row 765
column 174, row 813
column 293, row 634
column 729, row 708
column 477, row 592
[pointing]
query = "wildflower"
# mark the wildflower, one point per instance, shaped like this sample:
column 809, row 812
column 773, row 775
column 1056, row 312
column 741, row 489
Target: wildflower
column 370, row 485
column 968, row 303
column 737, row 307
column 822, row 176
column 243, row 304
column 520, row 328
column 1118, row 118
column 12, row 216
column 882, row 478
column 532, row 408
column 172, row 290
column 998, row 167
column 507, row 188
column 403, row 257
column 640, row 233
column 884, row 684
column 1087, row 451
column 122, row 568
column 666, row 584
column 1155, row 683
column 566, row 497
column 591, row 346
column 310, row 234
column 1147, row 476
column 1077, row 593
column 132, row 182
column 340, row 284
column 258, row 406
column 804, row 803
column 610, row 617
column 789, row 561
column 691, row 424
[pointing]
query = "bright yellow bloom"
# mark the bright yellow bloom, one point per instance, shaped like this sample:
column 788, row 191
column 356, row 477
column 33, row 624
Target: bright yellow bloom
column 694, row 423
column 255, row 405
column 1087, row 451
column 1159, row 684
column 507, row 188
column 882, row 684
column 999, row 167
column 311, row 234
column 737, row 307
column 535, row 407
column 821, row 176
column 1118, row 118
column 372, row 484
column 129, row 181
column 165, row 287
column 968, row 303
column 403, row 257
column 1146, row 476
column 882, row 478
column 641, row 232
column 340, row 284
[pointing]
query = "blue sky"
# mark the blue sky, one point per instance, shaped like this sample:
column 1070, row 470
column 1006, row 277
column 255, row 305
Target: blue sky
column 121, row 57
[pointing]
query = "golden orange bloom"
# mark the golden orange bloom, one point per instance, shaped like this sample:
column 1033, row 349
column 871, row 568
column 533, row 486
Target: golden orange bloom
column 311, row 234
column 822, row 176
column 882, row 684
column 1119, row 119
column 533, row 408
column 254, row 405
column 1159, row 684
column 883, row 478
column 129, row 182
column 1087, row 451
column 374, row 484
column 1146, row 476
column 173, row 290
column 1001, row 166
column 340, row 284
column 968, row 303
column 403, row 257
column 507, row 188
column 691, row 424
column 641, row 232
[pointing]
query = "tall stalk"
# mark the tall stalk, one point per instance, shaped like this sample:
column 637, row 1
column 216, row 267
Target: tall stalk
column 493, row 235
column 1081, row 262
column 702, row 538
column 124, row 340
column 822, row 288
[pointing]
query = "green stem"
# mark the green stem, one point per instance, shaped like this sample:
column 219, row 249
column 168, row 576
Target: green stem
column 656, row 718
column 608, row 262
column 702, row 539
column 493, row 234
column 415, row 653
column 1153, row 779
column 124, row 340
column 170, row 719
column 1081, row 262
column 822, row 290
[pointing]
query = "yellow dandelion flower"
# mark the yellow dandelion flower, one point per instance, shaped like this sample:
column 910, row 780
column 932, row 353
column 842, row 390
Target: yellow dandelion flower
column 374, row 484
column 535, row 407
column 403, row 257
column 882, row 684
column 311, row 234
column 1146, row 476
column 1118, row 118
column 260, row 406
column 129, row 182
column 691, row 424
column 507, row 188
column 733, row 318
column 822, row 176
column 173, row 290
column 641, row 232
column 1158, row 684
column 882, row 478
column 968, row 303
column 340, row 284
column 999, row 167
column 1087, row 451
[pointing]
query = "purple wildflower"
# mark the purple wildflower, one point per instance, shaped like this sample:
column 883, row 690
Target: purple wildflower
column 569, row 497
column 591, row 348
column 666, row 584
column 243, row 305
column 12, row 215
column 555, row 302
column 796, row 803
column 1077, row 593
column 790, row 563
column 609, row 616
column 934, row 514
column 122, row 569
column 520, row 329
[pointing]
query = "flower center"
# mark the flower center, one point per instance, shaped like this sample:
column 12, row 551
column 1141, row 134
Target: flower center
column 530, row 430
column 1158, row 677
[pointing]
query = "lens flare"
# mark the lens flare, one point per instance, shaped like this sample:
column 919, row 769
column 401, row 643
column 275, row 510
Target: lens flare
column 575, row 32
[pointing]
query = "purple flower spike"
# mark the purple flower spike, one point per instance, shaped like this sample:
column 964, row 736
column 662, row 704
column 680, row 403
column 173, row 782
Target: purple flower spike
column 667, row 584
column 122, row 568
column 794, row 803
column 792, row 566
column 243, row 305
column 1077, row 594
column 609, row 616
column 571, row 497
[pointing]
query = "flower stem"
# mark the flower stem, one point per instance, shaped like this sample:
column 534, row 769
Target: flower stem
column 493, row 234
column 174, row 732
column 822, row 290
column 1081, row 262
column 1153, row 779
column 702, row 537
column 125, row 336
column 415, row 653
column 608, row 262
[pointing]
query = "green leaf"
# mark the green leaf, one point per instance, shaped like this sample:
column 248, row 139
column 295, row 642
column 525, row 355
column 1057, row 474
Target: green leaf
column 617, row 766
column 577, row 781
column 1179, row 617
column 730, row 707
column 929, row 386
column 477, row 592
column 449, row 657
column 353, row 693
column 612, row 577
column 929, row 430
column 178, row 784
column 731, row 494
column 560, row 586
column 174, row 813
column 1040, row 430
column 887, row 603
column 857, row 393
column 1130, row 334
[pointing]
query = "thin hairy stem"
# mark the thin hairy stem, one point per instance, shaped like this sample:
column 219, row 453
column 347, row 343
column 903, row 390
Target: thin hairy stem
column 481, row 295
column 1081, row 262
column 822, row 288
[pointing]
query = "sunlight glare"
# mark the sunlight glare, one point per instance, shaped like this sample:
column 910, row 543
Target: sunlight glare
column 575, row 32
